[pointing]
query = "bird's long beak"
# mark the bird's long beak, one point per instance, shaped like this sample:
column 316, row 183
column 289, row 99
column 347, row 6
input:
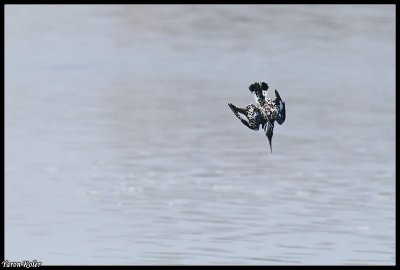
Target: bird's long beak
column 270, row 145
column 269, row 132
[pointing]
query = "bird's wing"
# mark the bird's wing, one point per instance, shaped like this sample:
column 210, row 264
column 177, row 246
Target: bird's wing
column 278, row 97
column 280, row 105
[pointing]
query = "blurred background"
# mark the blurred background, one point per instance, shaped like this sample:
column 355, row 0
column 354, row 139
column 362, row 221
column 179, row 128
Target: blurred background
column 120, row 147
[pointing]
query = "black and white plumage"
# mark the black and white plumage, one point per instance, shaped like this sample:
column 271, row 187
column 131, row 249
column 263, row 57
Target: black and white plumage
column 264, row 113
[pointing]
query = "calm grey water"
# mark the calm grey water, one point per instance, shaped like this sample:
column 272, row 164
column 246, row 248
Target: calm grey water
column 120, row 147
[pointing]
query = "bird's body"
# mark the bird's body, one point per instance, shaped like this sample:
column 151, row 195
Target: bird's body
column 264, row 113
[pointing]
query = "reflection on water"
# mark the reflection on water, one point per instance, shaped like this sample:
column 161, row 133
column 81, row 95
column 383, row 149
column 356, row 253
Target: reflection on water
column 120, row 147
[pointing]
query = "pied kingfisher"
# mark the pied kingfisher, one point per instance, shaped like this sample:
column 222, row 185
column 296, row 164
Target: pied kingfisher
column 264, row 113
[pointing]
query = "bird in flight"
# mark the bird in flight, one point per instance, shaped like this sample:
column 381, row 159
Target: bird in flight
column 264, row 113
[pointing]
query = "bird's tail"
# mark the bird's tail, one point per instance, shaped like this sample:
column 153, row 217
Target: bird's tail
column 256, row 87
